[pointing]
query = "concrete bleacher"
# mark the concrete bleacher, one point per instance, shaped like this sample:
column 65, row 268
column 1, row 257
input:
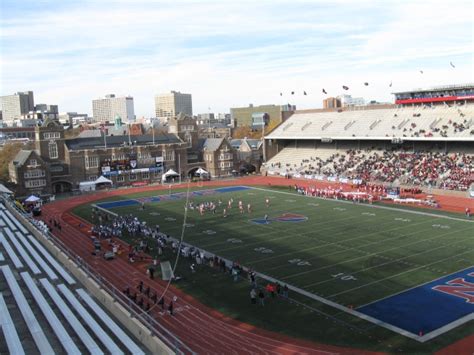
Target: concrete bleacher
column 8, row 326
column 390, row 165
column 417, row 123
column 40, row 310
column 336, row 145
column 90, row 321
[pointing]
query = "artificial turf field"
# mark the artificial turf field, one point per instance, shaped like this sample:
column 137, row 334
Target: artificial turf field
column 351, row 254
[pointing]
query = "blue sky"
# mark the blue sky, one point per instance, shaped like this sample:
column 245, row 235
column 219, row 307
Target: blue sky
column 230, row 53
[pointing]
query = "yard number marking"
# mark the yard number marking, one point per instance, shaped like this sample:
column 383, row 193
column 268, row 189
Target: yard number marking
column 263, row 250
column 344, row 277
column 234, row 240
column 440, row 226
column 299, row 262
column 209, row 232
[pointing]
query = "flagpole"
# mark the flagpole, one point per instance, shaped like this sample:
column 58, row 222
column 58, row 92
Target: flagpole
column 103, row 130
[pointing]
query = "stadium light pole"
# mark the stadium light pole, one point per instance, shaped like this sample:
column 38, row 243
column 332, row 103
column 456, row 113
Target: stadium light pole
column 263, row 140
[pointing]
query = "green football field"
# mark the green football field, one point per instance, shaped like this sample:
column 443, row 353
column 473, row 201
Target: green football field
column 352, row 254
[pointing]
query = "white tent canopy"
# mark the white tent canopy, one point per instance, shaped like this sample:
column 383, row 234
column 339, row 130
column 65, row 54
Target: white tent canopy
column 32, row 198
column 169, row 173
column 201, row 171
column 102, row 180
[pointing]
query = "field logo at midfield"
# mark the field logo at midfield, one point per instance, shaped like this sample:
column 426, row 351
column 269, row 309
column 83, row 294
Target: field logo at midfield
column 458, row 287
column 285, row 217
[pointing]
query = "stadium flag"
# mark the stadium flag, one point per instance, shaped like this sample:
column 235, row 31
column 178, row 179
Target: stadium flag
column 166, row 271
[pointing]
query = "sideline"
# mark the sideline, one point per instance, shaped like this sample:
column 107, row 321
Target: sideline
column 370, row 206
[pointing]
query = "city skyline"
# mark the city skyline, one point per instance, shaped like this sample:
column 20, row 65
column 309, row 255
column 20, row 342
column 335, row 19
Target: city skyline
column 231, row 54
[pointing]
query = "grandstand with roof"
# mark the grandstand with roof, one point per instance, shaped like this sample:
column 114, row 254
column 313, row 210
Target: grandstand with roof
column 425, row 139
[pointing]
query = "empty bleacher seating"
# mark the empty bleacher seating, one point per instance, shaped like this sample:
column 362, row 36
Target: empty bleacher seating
column 9, row 330
column 34, row 327
column 449, row 123
column 90, row 321
column 50, row 321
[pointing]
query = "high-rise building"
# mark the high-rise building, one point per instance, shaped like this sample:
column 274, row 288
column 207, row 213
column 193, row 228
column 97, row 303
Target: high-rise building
column 348, row 100
column 252, row 115
column 16, row 105
column 107, row 108
column 332, row 102
column 170, row 104
column 47, row 108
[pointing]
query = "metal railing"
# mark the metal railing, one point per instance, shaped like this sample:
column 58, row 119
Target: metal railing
column 150, row 323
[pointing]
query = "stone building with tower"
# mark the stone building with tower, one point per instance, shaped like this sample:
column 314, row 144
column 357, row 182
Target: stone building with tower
column 128, row 158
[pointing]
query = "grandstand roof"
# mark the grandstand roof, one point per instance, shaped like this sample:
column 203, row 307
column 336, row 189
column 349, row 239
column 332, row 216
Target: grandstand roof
column 439, row 123
column 438, row 88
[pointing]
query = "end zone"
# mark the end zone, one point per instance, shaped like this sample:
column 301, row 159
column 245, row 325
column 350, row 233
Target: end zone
column 430, row 309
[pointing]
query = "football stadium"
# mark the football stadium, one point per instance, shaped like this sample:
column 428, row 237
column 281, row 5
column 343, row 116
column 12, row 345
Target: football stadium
column 234, row 177
column 356, row 237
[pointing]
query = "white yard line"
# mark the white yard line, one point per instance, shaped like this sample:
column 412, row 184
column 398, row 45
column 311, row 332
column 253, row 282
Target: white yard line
column 372, row 206
column 400, row 273
column 411, row 288
column 378, row 322
column 375, row 254
column 348, row 248
column 275, row 229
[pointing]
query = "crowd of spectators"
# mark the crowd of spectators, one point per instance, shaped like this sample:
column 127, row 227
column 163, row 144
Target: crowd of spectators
column 454, row 126
column 453, row 171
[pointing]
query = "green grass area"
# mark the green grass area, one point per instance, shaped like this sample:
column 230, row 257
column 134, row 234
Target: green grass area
column 351, row 254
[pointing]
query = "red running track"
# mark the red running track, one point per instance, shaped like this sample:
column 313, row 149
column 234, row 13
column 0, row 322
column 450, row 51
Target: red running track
column 201, row 328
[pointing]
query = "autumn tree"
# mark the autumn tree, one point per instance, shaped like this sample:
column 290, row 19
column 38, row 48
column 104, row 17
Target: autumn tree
column 7, row 154
column 246, row 131
column 72, row 132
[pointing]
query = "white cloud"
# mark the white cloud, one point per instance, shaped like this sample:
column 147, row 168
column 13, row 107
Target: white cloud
column 233, row 53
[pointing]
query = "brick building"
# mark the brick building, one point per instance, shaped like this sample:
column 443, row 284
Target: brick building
column 126, row 159
column 219, row 157
column 66, row 163
column 30, row 173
